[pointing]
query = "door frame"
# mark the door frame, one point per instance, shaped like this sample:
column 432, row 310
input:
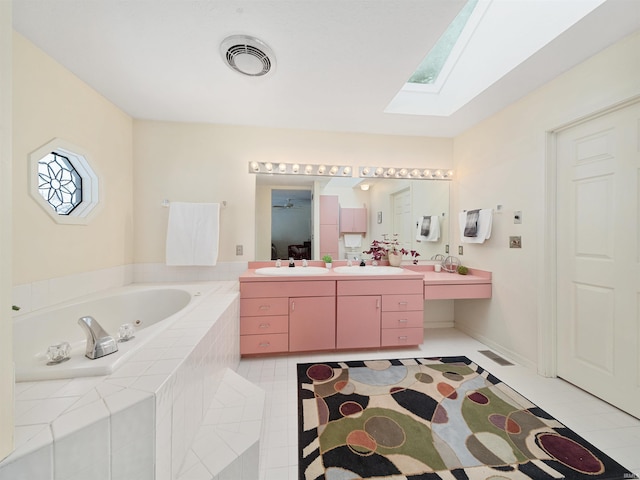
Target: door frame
column 547, row 253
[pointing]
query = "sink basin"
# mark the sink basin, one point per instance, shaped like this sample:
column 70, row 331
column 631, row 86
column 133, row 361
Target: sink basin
column 286, row 271
column 369, row 270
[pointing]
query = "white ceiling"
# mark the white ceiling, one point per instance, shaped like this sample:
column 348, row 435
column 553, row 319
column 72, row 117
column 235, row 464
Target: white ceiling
column 339, row 62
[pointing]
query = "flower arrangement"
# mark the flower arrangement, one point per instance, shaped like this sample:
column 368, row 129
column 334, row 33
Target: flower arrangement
column 382, row 248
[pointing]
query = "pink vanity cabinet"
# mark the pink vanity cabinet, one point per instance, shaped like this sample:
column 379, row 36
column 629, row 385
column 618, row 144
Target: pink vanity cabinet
column 284, row 316
column 379, row 313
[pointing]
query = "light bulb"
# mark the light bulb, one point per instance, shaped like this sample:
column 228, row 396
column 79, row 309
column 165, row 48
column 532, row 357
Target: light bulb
column 295, row 168
column 333, row 170
column 346, row 171
column 282, row 167
column 255, row 166
column 268, row 167
column 321, row 169
column 308, row 169
column 379, row 171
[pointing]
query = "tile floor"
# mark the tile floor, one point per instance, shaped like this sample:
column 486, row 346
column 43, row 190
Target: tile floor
column 609, row 429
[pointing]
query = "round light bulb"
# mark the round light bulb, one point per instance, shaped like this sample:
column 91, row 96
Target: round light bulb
column 268, row 167
column 295, row 168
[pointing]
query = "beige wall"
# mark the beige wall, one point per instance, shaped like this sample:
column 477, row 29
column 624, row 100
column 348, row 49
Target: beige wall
column 209, row 163
column 502, row 161
column 50, row 102
column 6, row 323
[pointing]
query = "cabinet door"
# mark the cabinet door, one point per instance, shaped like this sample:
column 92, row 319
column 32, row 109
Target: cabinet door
column 329, row 209
column 329, row 240
column 360, row 220
column 312, row 323
column 358, row 321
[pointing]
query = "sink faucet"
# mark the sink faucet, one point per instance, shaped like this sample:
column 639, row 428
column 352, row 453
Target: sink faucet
column 291, row 262
column 305, row 263
column 99, row 342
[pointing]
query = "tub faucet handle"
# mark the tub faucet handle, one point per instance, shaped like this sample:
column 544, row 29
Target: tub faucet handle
column 99, row 342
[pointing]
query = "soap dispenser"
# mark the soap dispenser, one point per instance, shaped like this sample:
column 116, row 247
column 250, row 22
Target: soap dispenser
column 291, row 262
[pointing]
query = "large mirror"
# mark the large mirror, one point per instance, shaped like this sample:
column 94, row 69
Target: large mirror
column 288, row 215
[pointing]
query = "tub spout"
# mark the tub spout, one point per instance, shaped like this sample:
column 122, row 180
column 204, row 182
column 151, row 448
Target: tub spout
column 99, row 342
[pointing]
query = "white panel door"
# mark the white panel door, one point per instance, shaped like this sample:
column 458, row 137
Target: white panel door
column 402, row 217
column 598, row 257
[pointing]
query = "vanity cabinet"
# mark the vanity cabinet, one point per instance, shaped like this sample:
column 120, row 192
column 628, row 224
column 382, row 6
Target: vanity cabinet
column 278, row 317
column 353, row 220
column 379, row 313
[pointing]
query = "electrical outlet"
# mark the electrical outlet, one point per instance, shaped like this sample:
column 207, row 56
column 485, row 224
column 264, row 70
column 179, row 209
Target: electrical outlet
column 238, row 249
column 460, row 250
column 446, row 249
column 515, row 242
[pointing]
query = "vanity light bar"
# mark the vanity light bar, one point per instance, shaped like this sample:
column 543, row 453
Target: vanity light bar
column 411, row 173
column 272, row 168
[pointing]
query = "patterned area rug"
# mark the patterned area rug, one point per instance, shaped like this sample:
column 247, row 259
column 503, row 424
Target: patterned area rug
column 430, row 419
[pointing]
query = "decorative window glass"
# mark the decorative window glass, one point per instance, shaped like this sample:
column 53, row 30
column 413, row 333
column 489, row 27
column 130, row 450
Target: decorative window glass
column 63, row 182
column 59, row 183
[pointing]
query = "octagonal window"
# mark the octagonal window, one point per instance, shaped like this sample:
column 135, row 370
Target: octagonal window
column 63, row 182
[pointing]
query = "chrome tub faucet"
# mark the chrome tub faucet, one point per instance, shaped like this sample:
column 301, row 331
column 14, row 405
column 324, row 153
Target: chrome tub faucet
column 99, row 342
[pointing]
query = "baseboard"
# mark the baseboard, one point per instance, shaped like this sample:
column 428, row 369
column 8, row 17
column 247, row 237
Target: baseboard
column 438, row 325
column 505, row 352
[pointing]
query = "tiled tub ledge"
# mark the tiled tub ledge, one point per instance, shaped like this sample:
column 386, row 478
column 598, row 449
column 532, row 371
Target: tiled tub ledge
column 142, row 420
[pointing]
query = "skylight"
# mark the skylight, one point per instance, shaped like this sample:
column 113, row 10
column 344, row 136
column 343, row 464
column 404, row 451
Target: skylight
column 429, row 69
column 486, row 41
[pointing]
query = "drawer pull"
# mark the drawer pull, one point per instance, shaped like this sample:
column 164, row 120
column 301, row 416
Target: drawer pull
column 377, row 303
column 403, row 303
column 264, row 344
column 264, row 307
column 265, row 325
column 402, row 320
column 402, row 338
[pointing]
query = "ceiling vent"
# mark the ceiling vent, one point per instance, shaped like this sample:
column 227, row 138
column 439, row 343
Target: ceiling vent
column 247, row 55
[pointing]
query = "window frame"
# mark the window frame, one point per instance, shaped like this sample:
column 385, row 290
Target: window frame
column 79, row 159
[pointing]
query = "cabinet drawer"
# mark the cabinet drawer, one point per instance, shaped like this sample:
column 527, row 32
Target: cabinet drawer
column 265, row 344
column 401, row 336
column 402, row 319
column 299, row 288
column 399, row 303
column 440, row 292
column 264, row 325
column 380, row 287
column 258, row 307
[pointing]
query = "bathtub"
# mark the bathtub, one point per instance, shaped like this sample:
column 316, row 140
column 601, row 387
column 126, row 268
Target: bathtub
column 151, row 308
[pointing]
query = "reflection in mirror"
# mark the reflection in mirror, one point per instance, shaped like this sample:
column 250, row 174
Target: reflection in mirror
column 288, row 215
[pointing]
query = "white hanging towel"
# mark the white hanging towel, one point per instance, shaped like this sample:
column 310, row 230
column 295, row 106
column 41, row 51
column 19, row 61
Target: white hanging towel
column 193, row 233
column 352, row 240
column 482, row 227
column 428, row 229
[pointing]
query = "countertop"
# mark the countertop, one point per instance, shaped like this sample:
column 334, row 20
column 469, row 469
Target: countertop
column 425, row 272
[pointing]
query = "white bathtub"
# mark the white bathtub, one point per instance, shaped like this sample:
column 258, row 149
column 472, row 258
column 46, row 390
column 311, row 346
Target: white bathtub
column 152, row 307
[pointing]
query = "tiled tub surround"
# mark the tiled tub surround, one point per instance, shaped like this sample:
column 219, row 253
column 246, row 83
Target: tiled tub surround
column 140, row 421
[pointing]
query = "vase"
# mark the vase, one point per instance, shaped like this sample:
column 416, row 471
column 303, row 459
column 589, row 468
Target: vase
column 328, row 265
column 395, row 259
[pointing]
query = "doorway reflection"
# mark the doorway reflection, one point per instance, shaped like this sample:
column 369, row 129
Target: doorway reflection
column 291, row 224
